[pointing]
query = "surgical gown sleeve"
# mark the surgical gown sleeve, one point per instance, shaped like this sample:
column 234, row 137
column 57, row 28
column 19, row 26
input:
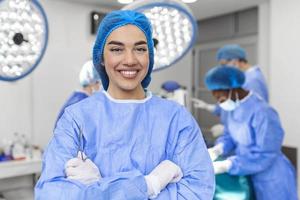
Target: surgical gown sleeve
column 54, row 185
column 258, row 87
column 227, row 141
column 267, row 139
column 198, row 182
column 74, row 98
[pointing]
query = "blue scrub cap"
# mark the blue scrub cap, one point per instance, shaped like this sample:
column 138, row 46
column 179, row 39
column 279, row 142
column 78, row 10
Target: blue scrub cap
column 230, row 52
column 112, row 21
column 224, row 77
column 88, row 74
column 170, row 86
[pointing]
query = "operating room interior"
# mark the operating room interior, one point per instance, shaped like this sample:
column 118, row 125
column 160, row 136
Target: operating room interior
column 268, row 30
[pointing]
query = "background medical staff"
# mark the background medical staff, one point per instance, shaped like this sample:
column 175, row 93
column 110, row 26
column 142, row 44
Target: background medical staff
column 254, row 135
column 234, row 55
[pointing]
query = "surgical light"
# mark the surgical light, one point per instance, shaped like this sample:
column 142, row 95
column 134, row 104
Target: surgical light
column 23, row 37
column 173, row 26
column 125, row 1
column 189, row 1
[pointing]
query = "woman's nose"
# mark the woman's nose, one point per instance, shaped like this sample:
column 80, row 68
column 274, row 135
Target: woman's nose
column 130, row 58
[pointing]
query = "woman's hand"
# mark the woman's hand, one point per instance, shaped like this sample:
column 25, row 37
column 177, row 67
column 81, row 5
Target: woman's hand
column 82, row 169
column 166, row 172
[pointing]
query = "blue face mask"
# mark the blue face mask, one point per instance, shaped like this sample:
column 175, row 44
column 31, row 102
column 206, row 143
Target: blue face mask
column 229, row 104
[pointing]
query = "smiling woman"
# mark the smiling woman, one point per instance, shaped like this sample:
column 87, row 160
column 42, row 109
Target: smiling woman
column 131, row 144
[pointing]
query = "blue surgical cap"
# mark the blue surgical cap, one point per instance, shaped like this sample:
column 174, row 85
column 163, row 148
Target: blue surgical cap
column 170, row 86
column 88, row 74
column 224, row 77
column 231, row 52
column 112, row 21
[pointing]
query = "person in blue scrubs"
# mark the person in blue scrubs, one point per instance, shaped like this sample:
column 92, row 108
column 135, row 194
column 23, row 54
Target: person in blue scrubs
column 124, row 142
column 252, row 138
column 89, row 82
column 235, row 55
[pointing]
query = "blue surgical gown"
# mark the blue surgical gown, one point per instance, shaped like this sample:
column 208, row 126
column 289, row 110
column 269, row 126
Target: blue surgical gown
column 255, row 82
column 74, row 98
column 253, row 132
column 126, row 139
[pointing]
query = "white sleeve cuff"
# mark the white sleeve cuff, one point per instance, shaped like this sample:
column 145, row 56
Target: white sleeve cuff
column 153, row 186
column 219, row 148
column 210, row 107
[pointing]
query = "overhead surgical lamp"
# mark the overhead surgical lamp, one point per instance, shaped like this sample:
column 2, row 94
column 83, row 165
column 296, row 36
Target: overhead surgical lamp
column 23, row 37
column 174, row 27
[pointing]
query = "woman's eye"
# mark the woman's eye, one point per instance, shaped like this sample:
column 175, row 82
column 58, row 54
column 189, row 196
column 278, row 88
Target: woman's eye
column 116, row 49
column 141, row 49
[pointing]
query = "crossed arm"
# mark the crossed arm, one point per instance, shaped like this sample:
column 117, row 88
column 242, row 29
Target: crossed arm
column 190, row 155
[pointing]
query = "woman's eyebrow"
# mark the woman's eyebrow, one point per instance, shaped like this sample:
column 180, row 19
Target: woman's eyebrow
column 140, row 43
column 116, row 43
column 122, row 44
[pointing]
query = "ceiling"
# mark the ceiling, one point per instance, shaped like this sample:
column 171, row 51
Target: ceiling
column 201, row 9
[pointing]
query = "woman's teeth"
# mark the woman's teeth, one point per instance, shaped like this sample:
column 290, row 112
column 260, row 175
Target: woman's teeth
column 129, row 74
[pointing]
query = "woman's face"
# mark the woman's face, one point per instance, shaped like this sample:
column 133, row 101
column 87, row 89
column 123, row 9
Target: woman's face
column 126, row 59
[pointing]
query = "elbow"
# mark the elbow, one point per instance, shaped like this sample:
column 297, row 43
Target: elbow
column 198, row 185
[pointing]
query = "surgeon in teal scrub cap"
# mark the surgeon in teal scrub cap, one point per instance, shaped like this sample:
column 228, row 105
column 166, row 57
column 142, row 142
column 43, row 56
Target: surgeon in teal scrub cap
column 124, row 142
column 254, row 134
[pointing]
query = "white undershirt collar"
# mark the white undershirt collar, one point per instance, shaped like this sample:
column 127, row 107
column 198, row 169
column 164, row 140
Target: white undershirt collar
column 252, row 68
column 148, row 96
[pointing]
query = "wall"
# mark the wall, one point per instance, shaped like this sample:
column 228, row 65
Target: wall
column 284, row 67
column 263, row 55
column 15, row 104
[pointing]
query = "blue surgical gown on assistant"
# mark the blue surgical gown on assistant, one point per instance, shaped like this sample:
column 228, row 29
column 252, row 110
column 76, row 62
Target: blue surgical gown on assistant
column 74, row 98
column 253, row 132
column 255, row 82
column 126, row 139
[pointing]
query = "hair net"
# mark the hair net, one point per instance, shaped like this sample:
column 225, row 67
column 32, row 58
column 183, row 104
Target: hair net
column 230, row 52
column 112, row 21
column 88, row 74
column 170, row 86
column 224, row 77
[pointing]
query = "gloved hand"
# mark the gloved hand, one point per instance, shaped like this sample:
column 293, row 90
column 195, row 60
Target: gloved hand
column 222, row 166
column 198, row 103
column 84, row 171
column 215, row 151
column 217, row 130
column 163, row 174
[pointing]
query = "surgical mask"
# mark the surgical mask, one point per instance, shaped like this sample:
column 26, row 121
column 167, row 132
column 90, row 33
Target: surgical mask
column 233, row 63
column 229, row 104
